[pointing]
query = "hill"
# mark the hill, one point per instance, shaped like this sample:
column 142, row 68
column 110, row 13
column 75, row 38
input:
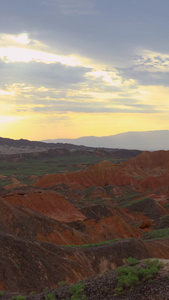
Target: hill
column 140, row 140
column 80, row 226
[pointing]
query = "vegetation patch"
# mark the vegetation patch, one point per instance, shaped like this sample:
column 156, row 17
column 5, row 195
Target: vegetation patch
column 18, row 297
column 157, row 234
column 132, row 261
column 62, row 283
column 88, row 191
column 127, row 197
column 130, row 276
column 50, row 296
column 134, row 204
column 146, row 205
column 2, row 293
column 58, row 164
column 5, row 181
column 77, row 292
column 93, row 245
column 163, row 222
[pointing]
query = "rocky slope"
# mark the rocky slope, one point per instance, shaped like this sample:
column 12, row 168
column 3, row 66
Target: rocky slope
column 72, row 226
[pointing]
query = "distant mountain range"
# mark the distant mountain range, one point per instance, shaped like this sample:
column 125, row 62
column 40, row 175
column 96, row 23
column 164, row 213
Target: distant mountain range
column 140, row 140
column 20, row 150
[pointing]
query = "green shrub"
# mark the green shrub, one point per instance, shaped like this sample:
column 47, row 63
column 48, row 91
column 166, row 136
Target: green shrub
column 76, row 291
column 132, row 261
column 32, row 293
column 62, row 283
column 18, row 297
column 2, row 293
column 130, row 276
column 50, row 296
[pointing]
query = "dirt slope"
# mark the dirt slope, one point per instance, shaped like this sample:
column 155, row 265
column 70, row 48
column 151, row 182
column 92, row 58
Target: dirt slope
column 100, row 174
column 154, row 163
column 47, row 203
column 48, row 264
column 145, row 165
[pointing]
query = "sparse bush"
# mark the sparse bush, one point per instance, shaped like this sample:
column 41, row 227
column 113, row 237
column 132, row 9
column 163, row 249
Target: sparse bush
column 130, row 276
column 32, row 293
column 76, row 291
column 2, row 293
column 62, row 283
column 132, row 261
column 18, row 297
column 50, row 296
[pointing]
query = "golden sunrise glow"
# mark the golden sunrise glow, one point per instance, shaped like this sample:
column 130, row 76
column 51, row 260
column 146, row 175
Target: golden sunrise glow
column 72, row 109
column 9, row 119
column 22, row 120
column 107, row 124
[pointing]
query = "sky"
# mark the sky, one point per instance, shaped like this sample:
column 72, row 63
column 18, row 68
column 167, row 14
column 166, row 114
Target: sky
column 72, row 68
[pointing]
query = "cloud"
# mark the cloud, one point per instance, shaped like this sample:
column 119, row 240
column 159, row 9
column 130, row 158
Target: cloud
column 116, row 106
column 54, row 75
column 148, row 68
column 152, row 62
column 20, row 48
column 106, row 31
column 108, row 77
column 76, row 7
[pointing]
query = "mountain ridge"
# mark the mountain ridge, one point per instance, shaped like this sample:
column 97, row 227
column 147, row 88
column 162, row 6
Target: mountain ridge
column 141, row 140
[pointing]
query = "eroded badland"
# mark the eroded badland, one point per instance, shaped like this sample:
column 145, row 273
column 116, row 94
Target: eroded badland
column 80, row 221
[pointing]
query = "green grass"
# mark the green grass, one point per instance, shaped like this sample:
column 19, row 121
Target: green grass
column 5, row 181
column 157, row 234
column 60, row 164
column 127, row 197
column 88, row 191
column 93, row 245
column 133, row 203
column 18, row 297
